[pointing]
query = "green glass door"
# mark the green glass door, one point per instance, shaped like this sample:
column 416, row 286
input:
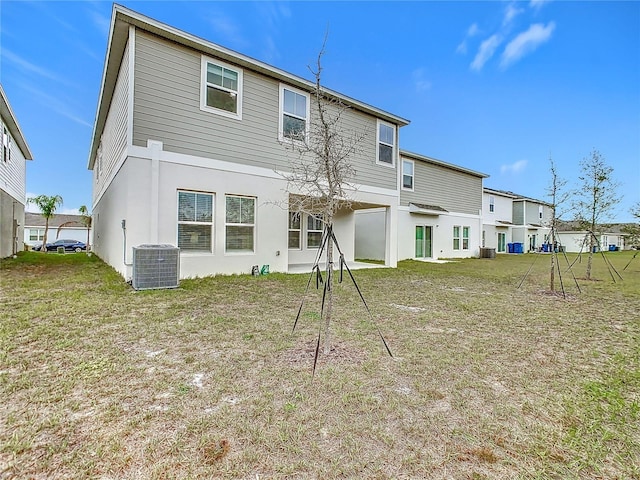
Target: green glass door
column 502, row 241
column 423, row 241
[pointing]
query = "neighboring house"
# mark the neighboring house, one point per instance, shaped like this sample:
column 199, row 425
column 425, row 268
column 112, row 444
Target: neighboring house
column 528, row 224
column 439, row 214
column 69, row 227
column 531, row 222
column 497, row 219
column 188, row 149
column 575, row 239
column 14, row 152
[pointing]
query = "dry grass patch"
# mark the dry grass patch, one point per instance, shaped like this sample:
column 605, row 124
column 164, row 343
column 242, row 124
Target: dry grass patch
column 207, row 381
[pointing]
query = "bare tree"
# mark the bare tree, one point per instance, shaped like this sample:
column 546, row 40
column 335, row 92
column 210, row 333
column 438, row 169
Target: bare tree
column 558, row 197
column 47, row 206
column 318, row 183
column 595, row 199
column 633, row 229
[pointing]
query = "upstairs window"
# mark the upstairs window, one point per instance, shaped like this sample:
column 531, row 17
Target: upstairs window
column 6, row 145
column 386, row 143
column 407, row 175
column 294, row 114
column 540, row 210
column 221, row 88
column 492, row 204
column 195, row 221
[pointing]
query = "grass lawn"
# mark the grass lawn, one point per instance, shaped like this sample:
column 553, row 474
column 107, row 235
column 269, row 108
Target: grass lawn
column 207, row 381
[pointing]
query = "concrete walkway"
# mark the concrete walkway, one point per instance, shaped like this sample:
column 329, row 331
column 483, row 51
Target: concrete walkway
column 306, row 267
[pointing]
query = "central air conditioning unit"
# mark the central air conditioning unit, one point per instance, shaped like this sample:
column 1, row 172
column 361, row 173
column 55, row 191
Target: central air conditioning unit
column 156, row 266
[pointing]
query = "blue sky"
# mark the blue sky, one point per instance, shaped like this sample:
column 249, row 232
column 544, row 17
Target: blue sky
column 497, row 87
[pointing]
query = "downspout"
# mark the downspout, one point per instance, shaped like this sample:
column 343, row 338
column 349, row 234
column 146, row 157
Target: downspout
column 124, row 244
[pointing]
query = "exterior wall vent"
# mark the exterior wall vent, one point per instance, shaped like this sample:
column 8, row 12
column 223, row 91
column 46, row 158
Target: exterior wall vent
column 156, row 266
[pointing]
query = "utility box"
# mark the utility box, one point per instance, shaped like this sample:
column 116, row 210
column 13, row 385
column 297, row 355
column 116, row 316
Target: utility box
column 155, row 267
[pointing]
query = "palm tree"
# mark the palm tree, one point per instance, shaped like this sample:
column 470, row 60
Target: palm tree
column 86, row 220
column 47, row 205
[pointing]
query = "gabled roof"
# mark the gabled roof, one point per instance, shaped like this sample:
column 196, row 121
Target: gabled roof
column 435, row 161
column 37, row 220
column 10, row 121
column 123, row 17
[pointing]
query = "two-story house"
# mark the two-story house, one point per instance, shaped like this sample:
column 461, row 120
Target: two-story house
column 497, row 219
column 189, row 149
column 509, row 218
column 14, row 153
column 439, row 215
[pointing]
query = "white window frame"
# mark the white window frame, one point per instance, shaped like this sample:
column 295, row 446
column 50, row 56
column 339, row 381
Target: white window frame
column 281, row 113
column 39, row 234
column 6, row 144
column 393, row 146
column 188, row 222
column 492, row 204
column 299, row 230
column 540, row 212
column 413, row 175
column 308, row 231
column 203, row 88
column 466, row 239
column 457, row 237
column 241, row 224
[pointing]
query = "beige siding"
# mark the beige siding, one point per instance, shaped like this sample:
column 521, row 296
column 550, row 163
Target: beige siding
column 450, row 189
column 13, row 172
column 167, row 108
column 114, row 136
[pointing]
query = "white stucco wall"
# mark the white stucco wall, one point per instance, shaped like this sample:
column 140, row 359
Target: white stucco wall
column 442, row 234
column 144, row 193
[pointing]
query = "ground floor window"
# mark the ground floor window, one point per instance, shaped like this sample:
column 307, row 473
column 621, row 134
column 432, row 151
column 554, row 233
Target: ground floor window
column 463, row 240
column 294, row 230
column 195, row 221
column 240, row 223
column 315, row 228
column 36, row 234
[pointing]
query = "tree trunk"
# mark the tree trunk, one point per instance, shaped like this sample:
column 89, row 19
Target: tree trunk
column 553, row 258
column 43, row 249
column 590, row 257
column 329, row 299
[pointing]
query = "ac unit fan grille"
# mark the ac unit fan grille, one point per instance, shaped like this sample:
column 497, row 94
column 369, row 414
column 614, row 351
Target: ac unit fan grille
column 156, row 266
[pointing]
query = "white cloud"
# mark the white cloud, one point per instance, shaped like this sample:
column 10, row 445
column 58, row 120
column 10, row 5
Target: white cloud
column 27, row 66
column 102, row 23
column 537, row 4
column 58, row 105
column 510, row 13
column 526, row 42
column 515, row 167
column 227, row 31
column 486, row 51
column 472, row 31
column 419, row 81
